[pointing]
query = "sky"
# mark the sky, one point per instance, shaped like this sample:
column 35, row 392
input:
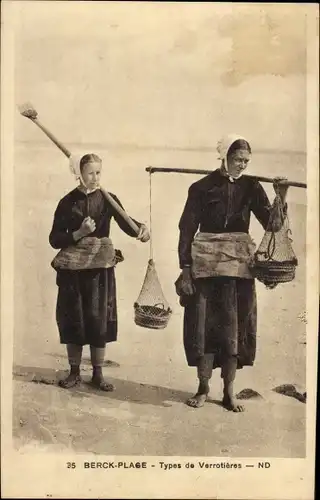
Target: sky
column 162, row 74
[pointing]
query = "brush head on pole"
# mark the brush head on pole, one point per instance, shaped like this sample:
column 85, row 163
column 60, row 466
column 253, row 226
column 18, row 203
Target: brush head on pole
column 28, row 111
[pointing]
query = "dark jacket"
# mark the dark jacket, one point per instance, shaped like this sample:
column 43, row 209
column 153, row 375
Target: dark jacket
column 74, row 207
column 216, row 205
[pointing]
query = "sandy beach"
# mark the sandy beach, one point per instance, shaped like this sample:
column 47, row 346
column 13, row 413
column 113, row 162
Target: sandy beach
column 154, row 84
column 155, row 89
column 146, row 414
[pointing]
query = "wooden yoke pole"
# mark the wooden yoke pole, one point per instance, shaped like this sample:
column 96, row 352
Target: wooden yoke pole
column 151, row 170
column 29, row 112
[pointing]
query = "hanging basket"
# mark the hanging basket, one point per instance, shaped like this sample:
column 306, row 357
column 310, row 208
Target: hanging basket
column 155, row 317
column 151, row 309
column 272, row 273
column 275, row 261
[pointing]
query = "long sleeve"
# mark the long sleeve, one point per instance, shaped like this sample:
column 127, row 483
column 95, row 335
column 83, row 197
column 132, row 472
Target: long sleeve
column 188, row 226
column 122, row 223
column 60, row 237
column 260, row 205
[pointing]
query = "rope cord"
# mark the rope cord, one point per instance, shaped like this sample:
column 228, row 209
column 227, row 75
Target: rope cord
column 272, row 241
column 150, row 218
column 278, row 207
column 285, row 222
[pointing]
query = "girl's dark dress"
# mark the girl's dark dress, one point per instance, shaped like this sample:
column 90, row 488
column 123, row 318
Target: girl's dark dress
column 221, row 318
column 86, row 310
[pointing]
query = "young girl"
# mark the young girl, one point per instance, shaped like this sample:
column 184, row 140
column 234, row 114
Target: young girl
column 86, row 309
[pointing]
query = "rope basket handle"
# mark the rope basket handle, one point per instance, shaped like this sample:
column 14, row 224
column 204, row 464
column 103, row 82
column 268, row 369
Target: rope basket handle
column 277, row 207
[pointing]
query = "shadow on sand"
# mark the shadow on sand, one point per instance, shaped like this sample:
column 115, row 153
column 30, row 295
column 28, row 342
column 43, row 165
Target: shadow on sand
column 125, row 390
column 108, row 363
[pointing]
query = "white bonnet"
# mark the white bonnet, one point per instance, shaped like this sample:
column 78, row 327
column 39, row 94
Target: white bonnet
column 74, row 164
column 226, row 142
column 223, row 147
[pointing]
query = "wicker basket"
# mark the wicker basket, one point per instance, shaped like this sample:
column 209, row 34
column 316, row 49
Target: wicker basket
column 272, row 272
column 154, row 317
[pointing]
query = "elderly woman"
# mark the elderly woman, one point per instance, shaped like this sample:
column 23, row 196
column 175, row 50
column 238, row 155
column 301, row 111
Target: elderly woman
column 216, row 286
column 86, row 309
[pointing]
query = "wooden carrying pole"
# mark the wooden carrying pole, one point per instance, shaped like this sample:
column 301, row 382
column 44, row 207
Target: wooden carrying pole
column 151, row 170
column 32, row 114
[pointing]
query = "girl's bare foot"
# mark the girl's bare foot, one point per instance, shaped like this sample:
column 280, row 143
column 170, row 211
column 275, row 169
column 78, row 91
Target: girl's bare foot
column 72, row 380
column 99, row 381
column 101, row 384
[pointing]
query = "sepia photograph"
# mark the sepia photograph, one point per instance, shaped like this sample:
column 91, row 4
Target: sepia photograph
column 159, row 249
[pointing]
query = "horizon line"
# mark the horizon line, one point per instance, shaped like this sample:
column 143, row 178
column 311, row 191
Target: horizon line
column 114, row 145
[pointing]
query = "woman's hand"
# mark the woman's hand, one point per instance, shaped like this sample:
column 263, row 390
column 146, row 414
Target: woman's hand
column 88, row 226
column 187, row 286
column 281, row 187
column 144, row 234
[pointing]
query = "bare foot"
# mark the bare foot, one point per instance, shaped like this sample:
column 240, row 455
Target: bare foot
column 197, row 400
column 101, row 384
column 230, row 405
column 71, row 381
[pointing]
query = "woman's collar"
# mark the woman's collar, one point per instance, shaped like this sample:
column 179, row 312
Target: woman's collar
column 224, row 173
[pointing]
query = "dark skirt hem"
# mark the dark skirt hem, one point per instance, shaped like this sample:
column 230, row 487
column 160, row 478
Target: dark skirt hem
column 221, row 318
column 193, row 363
column 63, row 342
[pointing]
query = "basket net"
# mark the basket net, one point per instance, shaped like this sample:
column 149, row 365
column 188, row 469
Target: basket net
column 275, row 260
column 151, row 307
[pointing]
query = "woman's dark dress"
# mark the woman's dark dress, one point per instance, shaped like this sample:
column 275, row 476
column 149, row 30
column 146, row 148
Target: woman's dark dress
column 86, row 309
column 221, row 317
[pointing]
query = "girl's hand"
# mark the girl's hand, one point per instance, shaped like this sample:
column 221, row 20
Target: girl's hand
column 88, row 226
column 144, row 234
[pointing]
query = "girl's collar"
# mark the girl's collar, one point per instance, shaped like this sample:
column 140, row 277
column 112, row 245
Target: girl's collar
column 85, row 190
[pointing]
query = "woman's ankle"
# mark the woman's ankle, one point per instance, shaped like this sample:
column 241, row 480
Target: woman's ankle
column 203, row 386
column 74, row 370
